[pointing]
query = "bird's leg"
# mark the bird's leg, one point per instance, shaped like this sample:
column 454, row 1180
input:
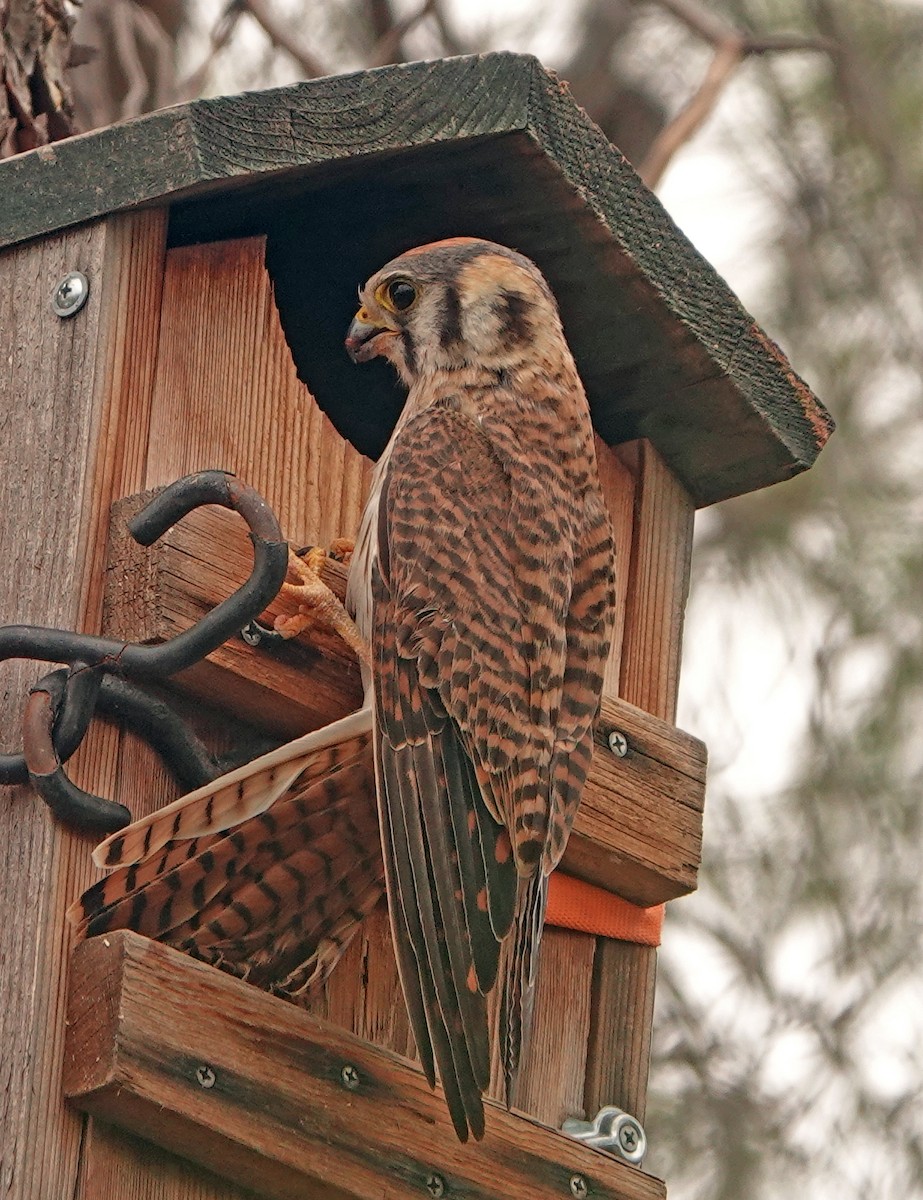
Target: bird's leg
column 317, row 604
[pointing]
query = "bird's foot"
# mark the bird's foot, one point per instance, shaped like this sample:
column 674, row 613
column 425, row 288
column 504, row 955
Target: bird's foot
column 317, row 605
column 342, row 549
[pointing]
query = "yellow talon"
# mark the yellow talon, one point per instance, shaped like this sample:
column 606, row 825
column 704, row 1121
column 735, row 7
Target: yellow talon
column 317, row 605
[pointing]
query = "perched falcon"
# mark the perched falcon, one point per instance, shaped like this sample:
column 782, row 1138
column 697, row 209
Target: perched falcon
column 482, row 582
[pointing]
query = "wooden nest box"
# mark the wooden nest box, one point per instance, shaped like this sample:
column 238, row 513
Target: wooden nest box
column 223, row 242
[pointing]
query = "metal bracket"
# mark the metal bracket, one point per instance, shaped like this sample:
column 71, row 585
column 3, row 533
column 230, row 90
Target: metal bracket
column 611, row 1129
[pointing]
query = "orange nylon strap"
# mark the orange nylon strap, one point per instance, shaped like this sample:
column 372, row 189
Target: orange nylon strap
column 573, row 904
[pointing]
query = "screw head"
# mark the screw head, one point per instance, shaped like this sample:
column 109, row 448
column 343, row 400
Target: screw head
column 579, row 1188
column 349, row 1077
column 252, row 633
column 632, row 1143
column 435, row 1185
column 71, row 294
column 618, row 743
column 205, row 1076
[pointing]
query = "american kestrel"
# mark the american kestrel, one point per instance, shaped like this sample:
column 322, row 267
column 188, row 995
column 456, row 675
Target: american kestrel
column 482, row 583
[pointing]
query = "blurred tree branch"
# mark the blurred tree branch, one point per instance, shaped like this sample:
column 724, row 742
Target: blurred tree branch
column 388, row 47
column 732, row 46
column 133, row 67
column 868, row 109
column 280, row 35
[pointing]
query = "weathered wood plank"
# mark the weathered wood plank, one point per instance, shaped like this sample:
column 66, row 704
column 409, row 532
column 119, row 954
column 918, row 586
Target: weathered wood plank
column 252, row 1088
column 133, row 275
column 113, row 1163
column 387, row 155
column 364, row 993
column 120, row 1166
column 57, row 379
column 638, row 830
column 226, row 396
column 618, row 1053
column 75, row 406
column 551, row 1082
column 660, row 558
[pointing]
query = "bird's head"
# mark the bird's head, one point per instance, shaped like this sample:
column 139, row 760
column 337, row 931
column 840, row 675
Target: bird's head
column 451, row 304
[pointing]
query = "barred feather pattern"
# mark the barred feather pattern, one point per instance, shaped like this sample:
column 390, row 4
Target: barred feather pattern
column 276, row 898
column 483, row 576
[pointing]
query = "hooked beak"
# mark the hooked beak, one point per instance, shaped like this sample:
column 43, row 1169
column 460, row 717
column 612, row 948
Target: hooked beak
column 361, row 335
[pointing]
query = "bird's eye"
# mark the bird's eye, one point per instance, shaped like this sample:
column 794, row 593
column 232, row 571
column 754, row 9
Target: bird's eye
column 401, row 294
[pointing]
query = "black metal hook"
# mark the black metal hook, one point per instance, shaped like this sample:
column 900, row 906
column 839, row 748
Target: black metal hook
column 61, row 706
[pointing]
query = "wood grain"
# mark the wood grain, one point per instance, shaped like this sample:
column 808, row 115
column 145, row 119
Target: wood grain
column 75, row 405
column 343, row 172
column 226, row 396
column 113, row 1162
column 638, row 830
column 618, row 1053
column 61, row 453
column 655, row 606
column 120, row 1166
column 273, row 1112
column 133, row 269
column 551, row 1082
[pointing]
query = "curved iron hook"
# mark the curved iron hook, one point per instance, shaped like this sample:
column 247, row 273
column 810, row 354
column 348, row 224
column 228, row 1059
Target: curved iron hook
column 57, row 715
column 46, row 774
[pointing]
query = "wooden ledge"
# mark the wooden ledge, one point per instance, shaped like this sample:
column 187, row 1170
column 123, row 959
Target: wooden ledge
column 153, row 594
column 252, row 1088
column 639, row 828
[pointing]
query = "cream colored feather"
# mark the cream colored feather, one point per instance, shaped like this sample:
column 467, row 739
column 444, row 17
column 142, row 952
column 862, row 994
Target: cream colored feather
column 226, row 801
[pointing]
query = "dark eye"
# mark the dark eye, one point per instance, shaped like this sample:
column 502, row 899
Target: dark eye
column 401, row 294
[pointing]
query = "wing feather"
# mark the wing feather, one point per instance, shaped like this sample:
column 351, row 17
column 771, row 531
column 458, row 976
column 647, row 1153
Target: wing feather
column 476, row 717
column 229, row 800
column 277, row 898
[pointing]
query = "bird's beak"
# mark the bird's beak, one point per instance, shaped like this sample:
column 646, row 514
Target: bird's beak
column 361, row 336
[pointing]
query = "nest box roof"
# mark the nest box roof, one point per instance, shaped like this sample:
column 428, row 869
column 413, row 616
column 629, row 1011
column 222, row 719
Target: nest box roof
column 342, row 173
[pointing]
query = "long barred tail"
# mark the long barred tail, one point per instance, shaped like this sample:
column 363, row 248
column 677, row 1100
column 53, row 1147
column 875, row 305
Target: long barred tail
column 275, row 896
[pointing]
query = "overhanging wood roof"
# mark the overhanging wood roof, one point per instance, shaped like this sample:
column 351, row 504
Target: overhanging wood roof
column 342, row 173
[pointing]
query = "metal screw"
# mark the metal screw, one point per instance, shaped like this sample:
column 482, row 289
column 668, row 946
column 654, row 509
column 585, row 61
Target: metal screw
column 255, row 634
column 71, row 294
column 350, row 1078
column 618, row 743
column 205, row 1076
column 252, row 633
column 435, row 1185
column 611, row 1129
column 578, row 1187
